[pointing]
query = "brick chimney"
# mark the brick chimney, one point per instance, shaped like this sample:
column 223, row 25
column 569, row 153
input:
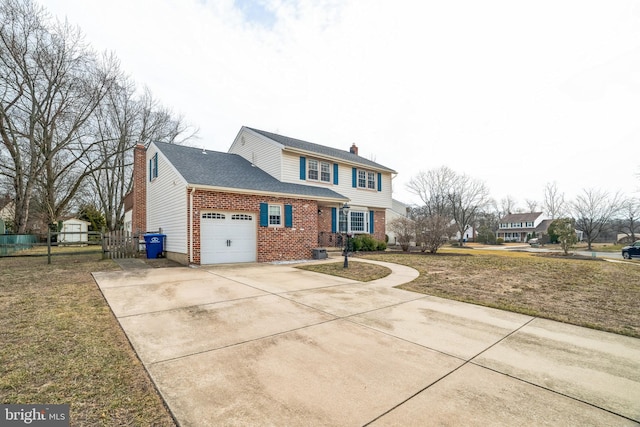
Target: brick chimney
column 139, row 213
column 354, row 149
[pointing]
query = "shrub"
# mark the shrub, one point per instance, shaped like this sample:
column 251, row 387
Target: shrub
column 366, row 243
column 499, row 241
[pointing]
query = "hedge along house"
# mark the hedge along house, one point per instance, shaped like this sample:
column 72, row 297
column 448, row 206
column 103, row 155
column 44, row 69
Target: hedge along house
column 269, row 198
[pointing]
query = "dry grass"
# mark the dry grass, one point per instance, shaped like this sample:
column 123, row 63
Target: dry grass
column 593, row 293
column 61, row 344
column 361, row 271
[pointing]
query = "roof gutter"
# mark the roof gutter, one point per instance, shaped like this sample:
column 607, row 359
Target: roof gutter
column 267, row 193
column 338, row 159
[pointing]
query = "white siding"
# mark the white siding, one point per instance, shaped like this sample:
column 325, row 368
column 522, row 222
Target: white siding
column 357, row 196
column 167, row 203
column 260, row 151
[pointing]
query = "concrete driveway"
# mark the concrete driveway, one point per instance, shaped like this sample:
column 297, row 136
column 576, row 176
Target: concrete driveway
column 263, row 344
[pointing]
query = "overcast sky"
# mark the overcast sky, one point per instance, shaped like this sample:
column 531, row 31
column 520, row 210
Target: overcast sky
column 513, row 93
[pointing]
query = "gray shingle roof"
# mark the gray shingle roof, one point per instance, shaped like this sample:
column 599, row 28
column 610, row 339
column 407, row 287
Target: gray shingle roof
column 321, row 149
column 521, row 217
column 232, row 171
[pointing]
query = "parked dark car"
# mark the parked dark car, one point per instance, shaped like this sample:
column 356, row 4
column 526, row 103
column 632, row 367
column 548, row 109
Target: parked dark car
column 631, row 251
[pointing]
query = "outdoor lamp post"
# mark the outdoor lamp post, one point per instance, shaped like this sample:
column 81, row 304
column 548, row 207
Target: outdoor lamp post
column 345, row 211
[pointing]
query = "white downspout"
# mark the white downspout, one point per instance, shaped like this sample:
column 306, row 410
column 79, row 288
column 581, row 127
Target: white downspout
column 191, row 225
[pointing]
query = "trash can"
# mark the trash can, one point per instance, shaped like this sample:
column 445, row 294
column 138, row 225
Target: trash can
column 155, row 244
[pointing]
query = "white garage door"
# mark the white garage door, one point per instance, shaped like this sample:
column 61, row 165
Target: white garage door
column 227, row 237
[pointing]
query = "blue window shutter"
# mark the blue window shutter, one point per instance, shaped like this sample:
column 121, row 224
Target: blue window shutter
column 334, row 220
column 335, row 174
column 303, row 168
column 264, row 215
column 150, row 169
column 371, row 217
column 354, row 177
column 288, row 216
column 155, row 165
column 379, row 181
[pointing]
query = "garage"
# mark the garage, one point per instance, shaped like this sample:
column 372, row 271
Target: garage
column 227, row 237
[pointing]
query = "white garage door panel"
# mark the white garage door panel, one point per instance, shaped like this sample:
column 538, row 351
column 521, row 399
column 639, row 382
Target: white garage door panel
column 227, row 237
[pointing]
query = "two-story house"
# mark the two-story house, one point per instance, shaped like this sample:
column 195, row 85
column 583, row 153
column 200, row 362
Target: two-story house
column 269, row 198
column 516, row 227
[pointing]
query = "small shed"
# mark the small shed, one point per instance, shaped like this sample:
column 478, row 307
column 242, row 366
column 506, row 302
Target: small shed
column 74, row 230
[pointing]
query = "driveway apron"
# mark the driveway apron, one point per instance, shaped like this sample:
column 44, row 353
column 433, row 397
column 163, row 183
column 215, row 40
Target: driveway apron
column 265, row 344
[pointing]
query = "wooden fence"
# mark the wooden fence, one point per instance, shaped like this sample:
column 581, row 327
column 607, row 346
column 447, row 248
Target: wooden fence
column 120, row 244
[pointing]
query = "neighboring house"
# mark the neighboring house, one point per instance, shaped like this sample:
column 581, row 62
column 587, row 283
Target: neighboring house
column 397, row 210
column 470, row 233
column 516, row 227
column 74, row 230
column 128, row 212
column 269, row 198
column 7, row 209
column 7, row 213
column 543, row 228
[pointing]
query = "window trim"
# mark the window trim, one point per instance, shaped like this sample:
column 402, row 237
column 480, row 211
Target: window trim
column 340, row 221
column 363, row 180
column 153, row 167
column 314, row 167
column 279, row 216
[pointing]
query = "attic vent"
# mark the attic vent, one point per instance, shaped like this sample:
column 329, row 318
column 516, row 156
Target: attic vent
column 242, row 140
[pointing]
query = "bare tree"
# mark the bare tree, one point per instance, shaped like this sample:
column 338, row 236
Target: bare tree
column 553, row 203
column 592, row 212
column 68, row 116
column 450, row 195
column 404, row 229
column 532, row 205
column 121, row 121
column 467, row 199
column 630, row 218
column 53, row 85
column 508, row 205
column 432, row 232
column 432, row 187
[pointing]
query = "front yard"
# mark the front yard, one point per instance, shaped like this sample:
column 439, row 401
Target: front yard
column 592, row 293
column 61, row 343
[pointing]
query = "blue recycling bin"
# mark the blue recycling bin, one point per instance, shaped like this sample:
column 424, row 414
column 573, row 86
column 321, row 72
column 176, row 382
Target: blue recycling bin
column 155, row 244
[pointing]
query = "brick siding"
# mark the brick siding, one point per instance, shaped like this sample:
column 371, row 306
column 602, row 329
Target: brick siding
column 139, row 191
column 273, row 243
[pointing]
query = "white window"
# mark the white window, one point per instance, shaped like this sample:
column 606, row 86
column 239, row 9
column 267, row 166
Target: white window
column 212, row 215
column 371, row 180
column 275, row 215
column 312, row 173
column 318, row 171
column 357, row 222
column 241, row 217
column 153, row 167
column 366, row 179
column 325, row 172
column 362, row 179
column 342, row 223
